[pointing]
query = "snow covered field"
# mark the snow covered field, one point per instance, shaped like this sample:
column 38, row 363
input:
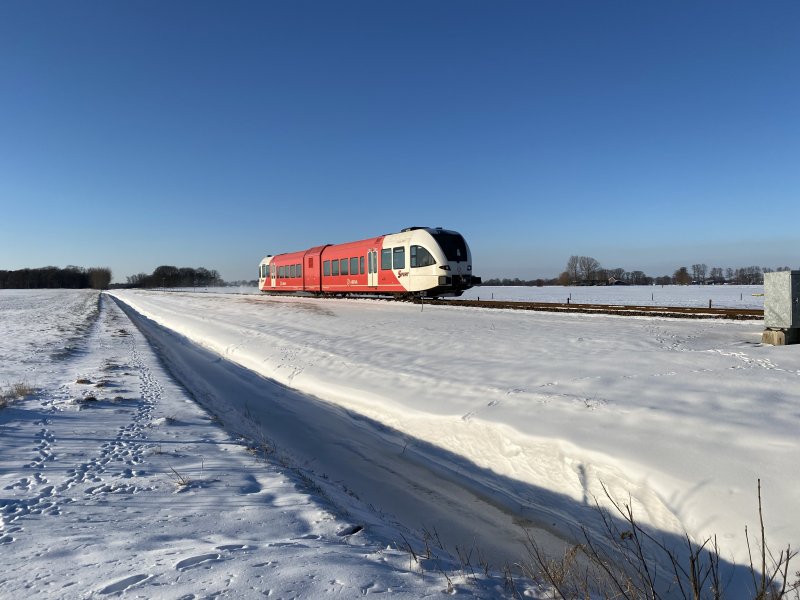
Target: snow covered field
column 471, row 421
column 114, row 481
column 721, row 296
column 536, row 411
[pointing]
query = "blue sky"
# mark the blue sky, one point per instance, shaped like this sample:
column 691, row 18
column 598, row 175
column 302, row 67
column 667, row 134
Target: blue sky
column 649, row 135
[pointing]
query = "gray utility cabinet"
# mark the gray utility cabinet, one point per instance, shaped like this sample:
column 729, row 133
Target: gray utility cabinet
column 782, row 300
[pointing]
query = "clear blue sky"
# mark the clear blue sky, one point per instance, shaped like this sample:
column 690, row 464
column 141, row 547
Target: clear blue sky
column 649, row 135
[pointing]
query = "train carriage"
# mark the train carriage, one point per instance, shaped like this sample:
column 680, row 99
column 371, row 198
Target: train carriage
column 418, row 261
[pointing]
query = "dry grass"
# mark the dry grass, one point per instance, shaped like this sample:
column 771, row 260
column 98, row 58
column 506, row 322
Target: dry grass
column 623, row 565
column 15, row 391
column 179, row 479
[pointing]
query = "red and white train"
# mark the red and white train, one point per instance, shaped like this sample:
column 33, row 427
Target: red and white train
column 418, row 261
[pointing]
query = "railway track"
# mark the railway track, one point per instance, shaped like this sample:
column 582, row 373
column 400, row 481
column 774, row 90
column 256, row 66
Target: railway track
column 688, row 312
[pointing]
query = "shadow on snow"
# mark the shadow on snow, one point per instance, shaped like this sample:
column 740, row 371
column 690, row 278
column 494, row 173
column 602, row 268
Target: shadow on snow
column 409, row 480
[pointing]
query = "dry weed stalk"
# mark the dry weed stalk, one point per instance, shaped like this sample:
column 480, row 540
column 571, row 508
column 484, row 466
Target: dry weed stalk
column 178, row 479
column 629, row 567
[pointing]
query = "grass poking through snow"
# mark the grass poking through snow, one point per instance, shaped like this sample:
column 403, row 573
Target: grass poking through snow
column 13, row 392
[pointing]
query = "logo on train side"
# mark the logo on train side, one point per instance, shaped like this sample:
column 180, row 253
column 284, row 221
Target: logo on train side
column 402, row 274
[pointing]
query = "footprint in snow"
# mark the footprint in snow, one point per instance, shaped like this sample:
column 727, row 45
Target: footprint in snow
column 251, row 487
column 23, row 484
column 123, row 584
column 232, row 547
column 189, row 563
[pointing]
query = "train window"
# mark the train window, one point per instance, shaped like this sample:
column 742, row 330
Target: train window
column 452, row 244
column 326, row 268
column 343, row 266
column 299, row 272
column 310, row 262
column 334, row 267
column 420, row 257
column 291, row 271
column 280, row 272
column 386, row 259
column 361, row 263
column 399, row 258
column 354, row 266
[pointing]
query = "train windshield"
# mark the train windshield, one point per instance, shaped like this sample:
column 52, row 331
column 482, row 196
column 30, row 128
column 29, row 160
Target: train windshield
column 454, row 246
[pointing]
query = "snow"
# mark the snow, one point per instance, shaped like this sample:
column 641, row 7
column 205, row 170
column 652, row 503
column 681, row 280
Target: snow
column 115, row 481
column 721, row 296
column 405, row 418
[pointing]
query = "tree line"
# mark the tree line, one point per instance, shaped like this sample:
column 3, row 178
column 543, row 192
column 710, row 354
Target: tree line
column 585, row 270
column 169, row 276
column 72, row 277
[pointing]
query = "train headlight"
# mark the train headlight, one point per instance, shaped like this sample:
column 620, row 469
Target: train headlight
column 444, row 267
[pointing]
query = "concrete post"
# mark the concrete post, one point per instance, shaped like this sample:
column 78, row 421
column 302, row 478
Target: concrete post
column 781, row 308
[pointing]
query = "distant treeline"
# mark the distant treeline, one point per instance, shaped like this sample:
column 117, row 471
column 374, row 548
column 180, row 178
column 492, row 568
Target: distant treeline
column 585, row 270
column 168, row 276
column 71, row 277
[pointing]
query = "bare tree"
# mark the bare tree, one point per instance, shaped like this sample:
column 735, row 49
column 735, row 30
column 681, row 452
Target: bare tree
column 572, row 270
column 618, row 274
column 749, row 275
column 99, row 277
column 637, row 278
column 588, row 268
column 682, row 277
column 699, row 272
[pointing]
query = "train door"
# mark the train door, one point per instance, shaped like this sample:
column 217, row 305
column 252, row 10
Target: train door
column 372, row 268
column 273, row 271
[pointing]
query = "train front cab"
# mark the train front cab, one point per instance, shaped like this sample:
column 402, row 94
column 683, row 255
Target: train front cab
column 458, row 271
column 430, row 262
